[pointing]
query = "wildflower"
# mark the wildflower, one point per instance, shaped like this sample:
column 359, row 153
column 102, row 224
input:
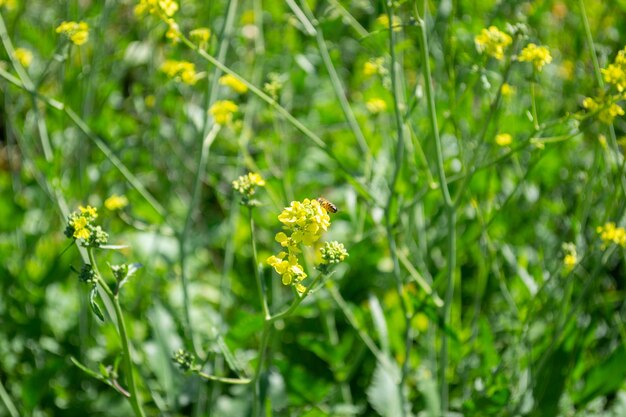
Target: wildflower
column 537, row 55
column 376, row 105
column 80, row 226
column 166, row 8
column 116, row 202
column 383, row 20
column 615, row 73
column 507, row 90
column 606, row 111
column 289, row 269
column 77, row 32
column 307, row 220
column 173, row 31
column 610, row 233
column 602, row 141
column 222, row 111
column 246, row 186
column 233, row 83
column 571, row 257
column 183, row 70
column 504, row 139
column 373, row 67
column 493, row 42
column 333, row 253
column 185, row 360
column 201, row 36
column 23, row 56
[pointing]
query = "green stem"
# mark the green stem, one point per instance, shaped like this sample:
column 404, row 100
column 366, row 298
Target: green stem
column 257, row 273
column 121, row 327
column 8, row 403
column 233, row 381
column 450, row 207
column 195, row 193
column 533, row 103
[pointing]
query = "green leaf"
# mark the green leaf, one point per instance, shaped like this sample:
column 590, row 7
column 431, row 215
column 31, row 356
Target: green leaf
column 604, row 378
column 94, row 305
column 384, row 392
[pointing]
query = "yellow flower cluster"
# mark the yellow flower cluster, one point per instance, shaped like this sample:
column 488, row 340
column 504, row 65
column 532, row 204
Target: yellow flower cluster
column 222, row 111
column 607, row 111
column 610, row 233
column 571, row 256
column 183, row 70
column 116, row 202
column 23, row 56
column 615, row 73
column 80, row 225
column 537, row 55
column 201, row 36
column 246, row 184
column 233, row 83
column 493, row 42
column 504, row 139
column 77, row 32
column 383, row 20
column 373, row 67
column 305, row 220
column 507, row 90
column 161, row 8
column 376, row 105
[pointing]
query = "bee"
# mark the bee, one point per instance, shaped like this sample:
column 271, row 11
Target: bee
column 328, row 206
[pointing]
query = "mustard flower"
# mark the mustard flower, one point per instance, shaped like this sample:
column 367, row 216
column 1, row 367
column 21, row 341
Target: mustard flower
column 504, row 139
column 306, row 221
column 246, row 186
column 615, row 73
column 160, row 8
column 373, row 67
column 493, row 42
column 537, row 55
column 233, row 83
column 383, row 20
column 173, row 31
column 606, row 111
column 201, row 36
column 23, row 56
column 180, row 70
column 287, row 266
column 507, row 90
column 376, row 105
column 80, row 225
column 333, row 252
column 77, row 32
column 116, row 202
column 222, row 111
column 571, row 257
column 610, row 233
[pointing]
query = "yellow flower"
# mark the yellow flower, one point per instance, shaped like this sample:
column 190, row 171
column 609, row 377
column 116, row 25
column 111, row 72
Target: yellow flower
column 383, row 20
column 173, row 31
column 507, row 90
column 10, row 4
column 609, row 233
column 201, row 36
column 77, row 32
column 504, row 139
column 376, row 105
column 222, row 111
column 571, row 257
column 23, row 56
column 307, row 220
column 80, row 228
column 116, row 202
column 373, row 67
column 90, row 212
column 233, row 83
column 537, row 55
column 183, row 70
column 492, row 42
column 606, row 112
column 246, row 184
column 161, row 8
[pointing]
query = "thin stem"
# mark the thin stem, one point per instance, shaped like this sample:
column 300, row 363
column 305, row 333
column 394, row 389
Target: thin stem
column 234, row 381
column 202, row 162
column 8, row 403
column 449, row 206
column 533, row 102
column 257, row 273
column 121, row 327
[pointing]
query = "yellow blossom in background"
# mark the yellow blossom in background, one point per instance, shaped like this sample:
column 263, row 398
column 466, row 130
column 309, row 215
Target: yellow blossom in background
column 615, row 73
column 233, row 83
column 571, row 256
column 420, row 322
column 383, row 20
column 222, row 111
column 602, row 141
column 507, row 90
column 9, row 4
column 566, row 70
column 23, row 56
column 606, row 111
column 77, row 32
column 173, row 31
column 537, row 55
column 116, row 202
column 160, row 8
column 493, row 42
column 90, row 212
column 246, row 184
column 373, row 67
column 184, row 70
column 504, row 139
column 201, row 36
column 376, row 105
column 610, row 233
